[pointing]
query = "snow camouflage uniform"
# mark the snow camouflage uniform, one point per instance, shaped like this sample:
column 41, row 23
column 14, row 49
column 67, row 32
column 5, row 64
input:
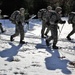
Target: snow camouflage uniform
column 54, row 20
column 71, row 20
column 20, row 19
column 1, row 23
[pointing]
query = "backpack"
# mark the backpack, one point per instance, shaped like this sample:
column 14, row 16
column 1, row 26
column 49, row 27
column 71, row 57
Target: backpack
column 40, row 13
column 13, row 17
column 52, row 18
column 71, row 18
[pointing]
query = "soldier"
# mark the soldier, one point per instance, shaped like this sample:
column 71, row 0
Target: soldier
column 45, row 22
column 1, row 23
column 19, row 21
column 49, row 8
column 41, row 12
column 71, row 20
column 54, row 20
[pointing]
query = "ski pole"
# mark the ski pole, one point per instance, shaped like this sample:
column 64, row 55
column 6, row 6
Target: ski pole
column 61, row 30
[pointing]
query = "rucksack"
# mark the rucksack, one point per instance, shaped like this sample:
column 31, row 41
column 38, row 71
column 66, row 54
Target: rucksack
column 13, row 16
column 52, row 18
column 40, row 13
column 71, row 18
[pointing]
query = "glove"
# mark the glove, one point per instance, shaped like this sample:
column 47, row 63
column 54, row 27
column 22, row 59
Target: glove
column 47, row 23
column 19, row 22
column 56, row 21
column 63, row 22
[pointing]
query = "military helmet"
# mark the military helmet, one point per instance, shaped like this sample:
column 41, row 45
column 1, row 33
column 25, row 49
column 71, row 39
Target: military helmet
column 49, row 8
column 58, row 9
column 22, row 9
column 41, row 10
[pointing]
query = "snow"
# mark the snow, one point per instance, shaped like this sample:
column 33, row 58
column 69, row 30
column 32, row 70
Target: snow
column 34, row 57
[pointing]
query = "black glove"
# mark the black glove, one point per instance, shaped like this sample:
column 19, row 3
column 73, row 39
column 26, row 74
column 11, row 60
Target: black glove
column 19, row 22
column 56, row 21
column 47, row 23
column 63, row 22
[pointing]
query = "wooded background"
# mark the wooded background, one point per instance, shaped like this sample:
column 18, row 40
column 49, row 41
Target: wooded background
column 32, row 6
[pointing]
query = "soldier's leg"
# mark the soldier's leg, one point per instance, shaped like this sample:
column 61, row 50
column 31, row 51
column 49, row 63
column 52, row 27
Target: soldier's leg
column 16, row 33
column 1, row 28
column 47, row 31
column 21, row 34
column 55, row 38
column 71, row 33
column 50, row 37
column 48, row 40
column 43, row 29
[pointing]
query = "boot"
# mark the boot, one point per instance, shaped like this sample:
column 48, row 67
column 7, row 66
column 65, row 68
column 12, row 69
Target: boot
column 22, row 42
column 55, row 47
column 11, row 38
column 47, row 43
column 3, row 31
column 68, row 38
column 42, row 36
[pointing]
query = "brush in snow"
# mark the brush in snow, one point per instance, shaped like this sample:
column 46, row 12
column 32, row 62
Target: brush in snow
column 61, row 57
column 71, row 64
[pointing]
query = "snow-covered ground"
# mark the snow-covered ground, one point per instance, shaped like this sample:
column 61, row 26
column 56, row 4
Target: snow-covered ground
column 35, row 58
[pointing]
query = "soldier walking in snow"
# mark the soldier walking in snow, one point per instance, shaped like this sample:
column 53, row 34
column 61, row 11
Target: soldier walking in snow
column 71, row 20
column 54, row 20
column 45, row 21
column 49, row 9
column 40, row 17
column 1, row 23
column 19, row 21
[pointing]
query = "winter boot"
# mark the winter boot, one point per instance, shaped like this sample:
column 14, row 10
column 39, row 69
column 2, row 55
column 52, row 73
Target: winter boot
column 42, row 36
column 68, row 38
column 11, row 38
column 3, row 31
column 22, row 42
column 55, row 47
column 47, row 43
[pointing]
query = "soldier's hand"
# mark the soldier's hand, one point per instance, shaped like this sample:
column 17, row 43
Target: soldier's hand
column 56, row 21
column 47, row 23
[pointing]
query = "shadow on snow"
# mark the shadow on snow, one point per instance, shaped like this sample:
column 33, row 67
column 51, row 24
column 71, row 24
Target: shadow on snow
column 54, row 62
column 9, row 53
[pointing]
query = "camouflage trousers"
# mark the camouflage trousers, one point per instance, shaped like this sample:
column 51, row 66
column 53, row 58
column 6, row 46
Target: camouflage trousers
column 44, row 26
column 73, row 30
column 54, row 34
column 1, row 27
column 19, row 30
